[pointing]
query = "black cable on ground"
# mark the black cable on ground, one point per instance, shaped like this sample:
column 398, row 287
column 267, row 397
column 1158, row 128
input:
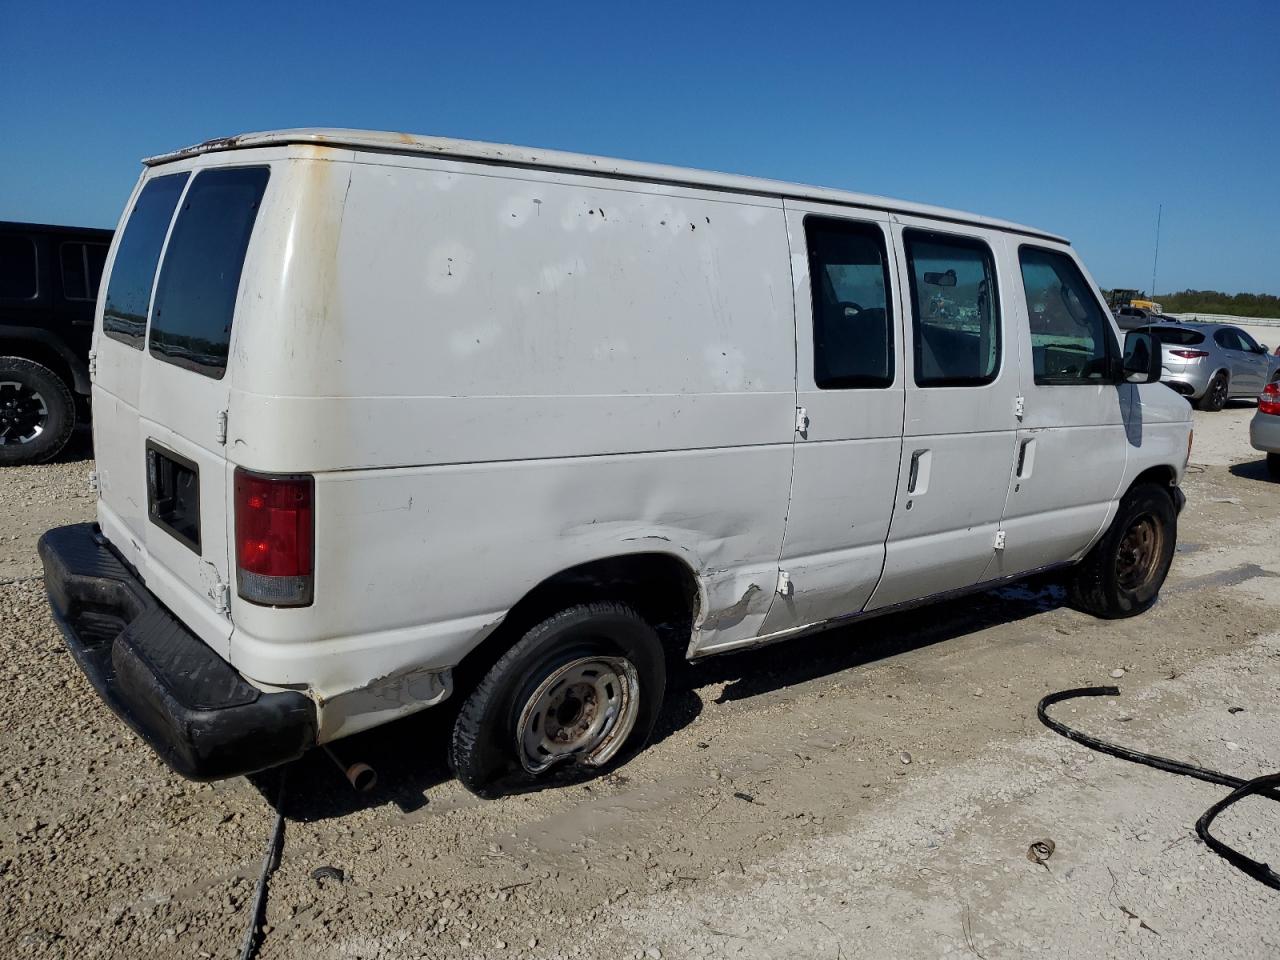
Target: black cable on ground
column 1266, row 786
column 1260, row 786
column 270, row 861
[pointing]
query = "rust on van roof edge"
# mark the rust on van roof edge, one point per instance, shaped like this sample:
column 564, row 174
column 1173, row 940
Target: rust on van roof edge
column 509, row 155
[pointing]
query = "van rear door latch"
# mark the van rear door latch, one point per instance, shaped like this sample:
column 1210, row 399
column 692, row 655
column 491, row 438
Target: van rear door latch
column 221, row 428
column 802, row 421
column 221, row 598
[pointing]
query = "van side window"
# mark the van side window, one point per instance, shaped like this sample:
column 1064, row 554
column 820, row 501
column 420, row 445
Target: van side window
column 124, row 317
column 852, row 319
column 955, row 310
column 1071, row 339
column 18, row 277
column 82, row 269
column 196, row 293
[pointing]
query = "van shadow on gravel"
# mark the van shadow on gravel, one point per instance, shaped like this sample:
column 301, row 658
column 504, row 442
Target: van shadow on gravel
column 409, row 755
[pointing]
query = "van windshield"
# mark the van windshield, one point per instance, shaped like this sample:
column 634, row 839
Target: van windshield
column 124, row 317
column 196, row 294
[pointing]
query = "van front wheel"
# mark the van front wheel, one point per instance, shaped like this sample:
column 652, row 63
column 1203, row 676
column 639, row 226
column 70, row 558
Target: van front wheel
column 578, row 694
column 1122, row 575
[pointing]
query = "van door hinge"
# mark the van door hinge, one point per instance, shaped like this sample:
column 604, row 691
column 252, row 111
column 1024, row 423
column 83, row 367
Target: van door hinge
column 1019, row 406
column 93, row 364
column 222, row 598
column 93, row 481
column 785, row 586
column 802, row 421
column 1000, row 539
column 222, row 426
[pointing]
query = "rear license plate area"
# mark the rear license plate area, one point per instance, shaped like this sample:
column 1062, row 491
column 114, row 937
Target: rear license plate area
column 173, row 495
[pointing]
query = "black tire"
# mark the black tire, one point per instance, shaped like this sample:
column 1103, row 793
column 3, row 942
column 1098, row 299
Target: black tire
column 484, row 750
column 1215, row 395
column 30, row 380
column 1108, row 582
column 1273, row 465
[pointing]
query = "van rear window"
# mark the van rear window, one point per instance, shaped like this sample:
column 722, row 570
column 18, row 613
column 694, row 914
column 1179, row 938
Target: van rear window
column 196, row 294
column 124, row 317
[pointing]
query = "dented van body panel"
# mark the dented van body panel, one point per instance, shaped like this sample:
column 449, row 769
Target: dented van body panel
column 498, row 364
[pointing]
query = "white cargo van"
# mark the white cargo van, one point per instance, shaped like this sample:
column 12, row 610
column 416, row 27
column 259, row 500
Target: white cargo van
column 383, row 421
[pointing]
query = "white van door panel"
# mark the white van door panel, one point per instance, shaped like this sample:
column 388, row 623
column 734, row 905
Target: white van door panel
column 163, row 390
column 958, row 443
column 846, row 457
column 1072, row 440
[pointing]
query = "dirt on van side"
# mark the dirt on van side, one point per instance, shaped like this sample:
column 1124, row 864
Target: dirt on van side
column 869, row 792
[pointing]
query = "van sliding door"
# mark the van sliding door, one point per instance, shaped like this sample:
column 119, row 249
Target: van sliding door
column 850, row 383
column 962, row 385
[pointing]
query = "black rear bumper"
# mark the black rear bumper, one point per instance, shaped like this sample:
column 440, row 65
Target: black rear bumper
column 193, row 708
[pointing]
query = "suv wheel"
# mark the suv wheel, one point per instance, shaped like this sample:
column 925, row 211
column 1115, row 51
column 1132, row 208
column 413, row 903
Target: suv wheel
column 37, row 412
column 1122, row 575
column 1273, row 465
column 577, row 695
column 1215, row 395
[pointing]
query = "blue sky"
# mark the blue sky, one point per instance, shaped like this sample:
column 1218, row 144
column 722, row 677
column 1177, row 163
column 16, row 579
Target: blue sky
column 1075, row 117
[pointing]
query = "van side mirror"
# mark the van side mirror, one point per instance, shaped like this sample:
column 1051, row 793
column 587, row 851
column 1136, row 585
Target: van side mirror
column 1142, row 360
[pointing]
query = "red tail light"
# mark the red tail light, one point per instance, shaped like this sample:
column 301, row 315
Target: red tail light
column 275, row 538
column 1190, row 354
column 1269, row 402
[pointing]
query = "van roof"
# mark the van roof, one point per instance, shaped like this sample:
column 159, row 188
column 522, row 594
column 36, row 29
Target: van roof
column 507, row 155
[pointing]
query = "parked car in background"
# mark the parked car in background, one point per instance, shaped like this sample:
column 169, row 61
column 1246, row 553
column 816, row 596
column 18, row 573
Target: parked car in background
column 1131, row 318
column 1264, row 429
column 48, row 287
column 1135, row 318
column 1211, row 363
column 409, row 419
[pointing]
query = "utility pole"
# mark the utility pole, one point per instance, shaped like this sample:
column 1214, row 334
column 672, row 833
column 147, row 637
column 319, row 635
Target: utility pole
column 1156, row 262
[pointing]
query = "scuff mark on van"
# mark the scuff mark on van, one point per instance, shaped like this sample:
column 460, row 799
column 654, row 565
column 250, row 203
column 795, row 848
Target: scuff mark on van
column 734, row 614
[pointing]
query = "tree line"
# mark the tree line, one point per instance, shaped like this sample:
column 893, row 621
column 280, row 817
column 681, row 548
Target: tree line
column 1215, row 301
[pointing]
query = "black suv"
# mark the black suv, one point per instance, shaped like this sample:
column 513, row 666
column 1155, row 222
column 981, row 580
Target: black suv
column 48, row 288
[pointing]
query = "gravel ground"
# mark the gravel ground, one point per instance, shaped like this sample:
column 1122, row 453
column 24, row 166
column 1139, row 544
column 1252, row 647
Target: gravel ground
column 868, row 792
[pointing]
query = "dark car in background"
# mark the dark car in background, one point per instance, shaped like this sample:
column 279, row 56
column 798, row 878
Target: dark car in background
column 1135, row 318
column 49, row 278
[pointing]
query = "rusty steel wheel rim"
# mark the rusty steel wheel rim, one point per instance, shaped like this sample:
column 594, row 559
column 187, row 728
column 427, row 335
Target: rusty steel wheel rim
column 1138, row 558
column 583, row 711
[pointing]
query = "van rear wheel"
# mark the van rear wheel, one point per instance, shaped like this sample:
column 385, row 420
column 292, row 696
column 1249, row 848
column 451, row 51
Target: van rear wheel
column 1123, row 573
column 37, row 412
column 577, row 695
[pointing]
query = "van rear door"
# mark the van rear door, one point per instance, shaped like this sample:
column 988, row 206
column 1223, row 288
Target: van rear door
column 162, row 394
